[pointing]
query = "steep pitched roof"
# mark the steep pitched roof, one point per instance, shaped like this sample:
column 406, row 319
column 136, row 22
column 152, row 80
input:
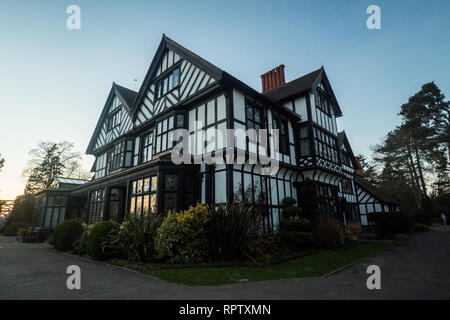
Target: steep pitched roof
column 294, row 87
column 126, row 94
column 303, row 84
column 193, row 56
column 166, row 42
column 342, row 139
column 377, row 193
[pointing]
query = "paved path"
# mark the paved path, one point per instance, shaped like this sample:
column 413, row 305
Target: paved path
column 418, row 268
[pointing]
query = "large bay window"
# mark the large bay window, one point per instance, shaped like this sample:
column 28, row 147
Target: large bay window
column 143, row 196
column 326, row 145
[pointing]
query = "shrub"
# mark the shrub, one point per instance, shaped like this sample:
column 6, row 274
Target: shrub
column 97, row 238
column 181, row 238
column 135, row 239
column 297, row 240
column 290, row 210
column 348, row 236
column 12, row 228
column 327, row 232
column 268, row 244
column 230, row 232
column 66, row 233
column 21, row 215
column 296, row 234
column 419, row 227
column 80, row 245
column 303, row 225
column 391, row 223
column 177, row 243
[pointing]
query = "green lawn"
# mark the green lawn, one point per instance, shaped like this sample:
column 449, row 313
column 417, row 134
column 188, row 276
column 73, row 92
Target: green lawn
column 314, row 265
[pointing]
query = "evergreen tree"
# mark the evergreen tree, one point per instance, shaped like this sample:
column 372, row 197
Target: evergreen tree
column 50, row 160
column 369, row 170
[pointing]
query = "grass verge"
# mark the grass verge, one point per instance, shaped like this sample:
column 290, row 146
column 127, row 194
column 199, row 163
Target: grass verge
column 313, row 265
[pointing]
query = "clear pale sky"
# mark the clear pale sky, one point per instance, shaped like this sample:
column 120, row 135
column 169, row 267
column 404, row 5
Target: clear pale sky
column 54, row 81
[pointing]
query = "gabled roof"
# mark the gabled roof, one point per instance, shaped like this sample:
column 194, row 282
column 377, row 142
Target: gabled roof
column 175, row 46
column 377, row 193
column 167, row 43
column 301, row 85
column 343, row 140
column 304, row 83
column 125, row 95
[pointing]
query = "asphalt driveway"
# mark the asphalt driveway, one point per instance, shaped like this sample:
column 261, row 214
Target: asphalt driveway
column 418, row 268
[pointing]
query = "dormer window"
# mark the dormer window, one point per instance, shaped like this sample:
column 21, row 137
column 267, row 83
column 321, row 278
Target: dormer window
column 168, row 83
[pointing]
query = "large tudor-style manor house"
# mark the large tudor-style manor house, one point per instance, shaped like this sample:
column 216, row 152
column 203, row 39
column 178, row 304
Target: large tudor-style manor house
column 133, row 139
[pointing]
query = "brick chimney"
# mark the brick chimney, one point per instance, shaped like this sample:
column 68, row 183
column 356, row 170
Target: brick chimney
column 272, row 79
column 359, row 171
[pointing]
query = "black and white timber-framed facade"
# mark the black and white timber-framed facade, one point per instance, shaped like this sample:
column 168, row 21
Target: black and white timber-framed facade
column 133, row 141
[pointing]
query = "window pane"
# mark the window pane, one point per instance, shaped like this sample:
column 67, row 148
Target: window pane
column 171, row 81
column 257, row 115
column 304, row 132
column 211, row 114
column 132, row 205
column 48, row 216
column 176, row 77
column 169, row 139
column 139, row 186
column 164, row 142
column 180, row 121
column 158, row 144
column 145, row 204
column 159, row 128
column 249, row 112
column 165, row 85
column 138, row 205
column 146, row 184
column 154, row 183
column 153, row 202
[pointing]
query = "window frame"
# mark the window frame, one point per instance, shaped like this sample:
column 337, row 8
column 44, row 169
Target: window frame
column 160, row 132
column 277, row 122
column 323, row 147
column 114, row 115
column 163, row 80
column 135, row 194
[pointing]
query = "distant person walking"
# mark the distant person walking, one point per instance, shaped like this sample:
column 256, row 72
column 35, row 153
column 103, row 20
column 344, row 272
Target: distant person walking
column 443, row 219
